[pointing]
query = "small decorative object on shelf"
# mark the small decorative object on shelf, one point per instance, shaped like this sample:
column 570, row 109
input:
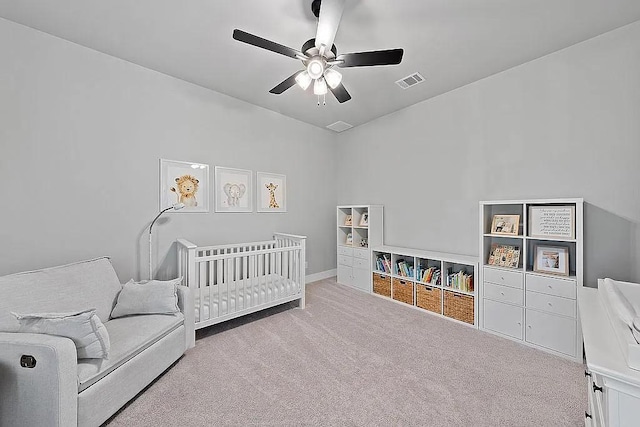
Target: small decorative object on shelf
column 364, row 220
column 552, row 260
column 348, row 220
column 505, row 224
column 504, row 256
column 364, row 243
column 552, row 222
column 349, row 239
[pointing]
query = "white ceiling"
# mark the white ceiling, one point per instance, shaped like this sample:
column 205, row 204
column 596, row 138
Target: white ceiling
column 450, row 42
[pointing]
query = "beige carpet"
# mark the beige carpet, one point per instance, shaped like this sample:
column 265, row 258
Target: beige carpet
column 355, row 359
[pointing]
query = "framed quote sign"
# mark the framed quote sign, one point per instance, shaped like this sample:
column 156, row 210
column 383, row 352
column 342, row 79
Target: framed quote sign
column 552, row 222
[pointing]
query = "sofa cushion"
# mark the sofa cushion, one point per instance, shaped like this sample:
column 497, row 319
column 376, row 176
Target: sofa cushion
column 153, row 297
column 129, row 336
column 68, row 288
column 84, row 328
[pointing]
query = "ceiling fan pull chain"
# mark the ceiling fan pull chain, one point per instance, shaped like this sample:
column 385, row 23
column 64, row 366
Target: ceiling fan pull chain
column 324, row 99
column 318, row 100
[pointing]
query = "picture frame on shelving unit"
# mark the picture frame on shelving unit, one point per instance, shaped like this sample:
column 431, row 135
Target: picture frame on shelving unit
column 349, row 240
column 551, row 260
column 348, row 220
column 505, row 224
column 364, row 220
column 504, row 256
column 552, row 222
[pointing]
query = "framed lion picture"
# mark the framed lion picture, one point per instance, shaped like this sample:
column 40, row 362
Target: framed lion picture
column 234, row 192
column 184, row 182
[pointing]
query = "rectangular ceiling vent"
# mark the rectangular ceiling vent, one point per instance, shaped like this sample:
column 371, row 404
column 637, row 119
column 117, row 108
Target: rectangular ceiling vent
column 412, row 80
column 339, row 126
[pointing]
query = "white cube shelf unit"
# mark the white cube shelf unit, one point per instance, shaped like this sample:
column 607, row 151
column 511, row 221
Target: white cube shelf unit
column 359, row 227
column 437, row 282
column 537, row 308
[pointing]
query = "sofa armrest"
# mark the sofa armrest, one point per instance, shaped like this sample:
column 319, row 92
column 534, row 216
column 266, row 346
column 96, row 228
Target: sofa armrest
column 45, row 394
column 187, row 307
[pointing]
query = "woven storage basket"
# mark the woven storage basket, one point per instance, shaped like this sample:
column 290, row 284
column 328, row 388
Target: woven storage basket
column 382, row 285
column 458, row 306
column 429, row 298
column 403, row 291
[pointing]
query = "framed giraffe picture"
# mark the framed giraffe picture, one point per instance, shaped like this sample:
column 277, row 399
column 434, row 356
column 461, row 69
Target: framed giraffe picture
column 272, row 192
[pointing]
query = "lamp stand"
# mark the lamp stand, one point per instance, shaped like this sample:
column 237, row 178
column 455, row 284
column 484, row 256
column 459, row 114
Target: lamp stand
column 150, row 241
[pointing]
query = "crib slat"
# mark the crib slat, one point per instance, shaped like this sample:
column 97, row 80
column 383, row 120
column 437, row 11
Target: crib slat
column 202, row 287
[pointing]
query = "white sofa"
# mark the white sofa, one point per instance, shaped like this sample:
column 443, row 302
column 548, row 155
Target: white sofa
column 61, row 390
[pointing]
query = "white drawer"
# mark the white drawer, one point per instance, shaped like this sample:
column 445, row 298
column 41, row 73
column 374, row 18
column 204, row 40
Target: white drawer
column 551, row 285
column 551, row 303
column 503, row 318
column 345, row 275
column 345, row 260
column 503, row 293
column 503, row 277
column 361, row 253
column 342, row 250
column 361, row 263
column 551, row 331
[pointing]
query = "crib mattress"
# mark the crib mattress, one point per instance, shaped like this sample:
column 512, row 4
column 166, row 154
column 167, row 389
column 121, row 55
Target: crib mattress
column 236, row 296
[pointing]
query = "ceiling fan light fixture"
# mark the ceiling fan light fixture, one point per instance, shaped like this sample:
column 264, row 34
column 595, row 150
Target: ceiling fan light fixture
column 304, row 80
column 320, row 87
column 315, row 68
column 333, row 78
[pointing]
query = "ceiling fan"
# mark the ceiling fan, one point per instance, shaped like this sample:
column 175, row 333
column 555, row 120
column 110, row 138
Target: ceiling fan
column 319, row 55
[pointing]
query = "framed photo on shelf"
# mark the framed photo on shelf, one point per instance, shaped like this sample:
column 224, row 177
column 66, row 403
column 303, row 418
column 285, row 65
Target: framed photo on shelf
column 272, row 192
column 234, row 192
column 552, row 222
column 348, row 220
column 184, row 182
column 349, row 240
column 504, row 256
column 364, row 220
column 505, row 224
column 551, row 260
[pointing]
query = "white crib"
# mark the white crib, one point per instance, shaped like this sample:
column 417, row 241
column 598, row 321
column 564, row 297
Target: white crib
column 229, row 281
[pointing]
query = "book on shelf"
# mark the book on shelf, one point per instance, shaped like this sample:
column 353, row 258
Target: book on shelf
column 383, row 264
column 404, row 269
column 430, row 275
column 460, row 281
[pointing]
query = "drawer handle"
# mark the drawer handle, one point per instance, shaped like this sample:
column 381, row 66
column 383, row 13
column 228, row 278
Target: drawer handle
column 529, row 326
column 550, row 305
column 519, row 324
column 502, row 293
column 596, row 388
column 587, row 415
column 502, row 277
column 550, row 287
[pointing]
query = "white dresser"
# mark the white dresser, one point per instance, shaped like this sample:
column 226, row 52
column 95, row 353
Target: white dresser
column 613, row 387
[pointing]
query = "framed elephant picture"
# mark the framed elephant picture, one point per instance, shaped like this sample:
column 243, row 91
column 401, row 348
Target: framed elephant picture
column 234, row 192
column 271, row 192
column 184, row 182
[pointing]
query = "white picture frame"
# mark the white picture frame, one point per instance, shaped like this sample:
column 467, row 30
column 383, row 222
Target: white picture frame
column 184, row 182
column 233, row 190
column 552, row 222
column 551, row 260
column 271, row 192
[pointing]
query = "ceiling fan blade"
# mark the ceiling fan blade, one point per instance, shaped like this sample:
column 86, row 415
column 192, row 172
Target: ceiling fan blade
column 340, row 93
column 328, row 22
column 369, row 59
column 245, row 37
column 290, row 81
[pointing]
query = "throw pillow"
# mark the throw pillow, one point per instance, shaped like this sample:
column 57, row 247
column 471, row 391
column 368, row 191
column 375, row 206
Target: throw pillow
column 84, row 328
column 153, row 297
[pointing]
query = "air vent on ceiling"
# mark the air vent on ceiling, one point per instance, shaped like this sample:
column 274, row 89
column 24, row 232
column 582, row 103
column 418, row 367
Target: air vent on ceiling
column 411, row 80
column 339, row 126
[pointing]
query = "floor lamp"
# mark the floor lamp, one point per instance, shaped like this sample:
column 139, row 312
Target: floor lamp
column 175, row 207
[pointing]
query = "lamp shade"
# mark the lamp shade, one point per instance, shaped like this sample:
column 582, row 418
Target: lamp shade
column 320, row 87
column 304, row 80
column 333, row 78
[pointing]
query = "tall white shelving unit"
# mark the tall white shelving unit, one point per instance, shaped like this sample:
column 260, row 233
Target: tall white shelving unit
column 538, row 309
column 354, row 257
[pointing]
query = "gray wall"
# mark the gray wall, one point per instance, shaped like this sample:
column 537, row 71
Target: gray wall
column 565, row 125
column 81, row 134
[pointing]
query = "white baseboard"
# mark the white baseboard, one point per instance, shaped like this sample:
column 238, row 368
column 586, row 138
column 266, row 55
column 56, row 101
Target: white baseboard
column 320, row 276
